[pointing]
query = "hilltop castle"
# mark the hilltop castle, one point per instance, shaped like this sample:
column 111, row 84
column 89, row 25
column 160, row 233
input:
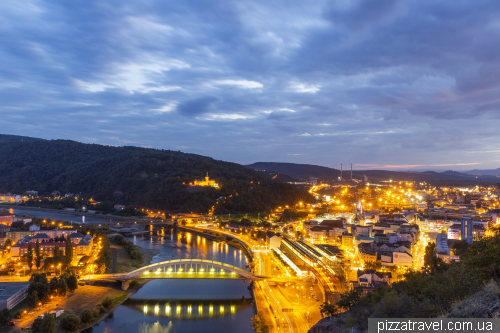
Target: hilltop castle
column 205, row 182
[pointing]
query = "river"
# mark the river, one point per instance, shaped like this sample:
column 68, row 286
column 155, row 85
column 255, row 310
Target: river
column 178, row 306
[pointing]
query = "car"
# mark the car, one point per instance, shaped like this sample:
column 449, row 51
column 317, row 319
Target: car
column 11, row 323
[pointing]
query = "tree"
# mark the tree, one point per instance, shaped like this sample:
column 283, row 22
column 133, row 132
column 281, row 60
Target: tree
column 460, row 248
column 53, row 285
column 72, row 282
column 57, row 252
column 70, row 322
column 5, row 317
column 69, row 248
column 63, row 287
column 350, row 298
column 431, row 261
column 29, row 256
column 33, row 299
column 327, row 309
column 38, row 254
column 87, row 315
column 7, row 245
column 45, row 325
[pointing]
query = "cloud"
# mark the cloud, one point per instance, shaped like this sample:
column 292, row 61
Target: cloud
column 245, row 84
column 374, row 82
column 196, row 107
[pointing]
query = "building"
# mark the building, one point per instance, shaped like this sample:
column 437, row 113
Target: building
column 307, row 225
column 205, row 182
column 15, row 236
column 347, row 240
column 442, row 249
column 40, row 238
column 47, row 248
column 273, row 240
column 467, row 229
column 454, row 231
column 10, row 198
column 6, row 218
column 396, row 259
column 34, row 227
column 369, row 280
column 12, row 293
column 76, row 237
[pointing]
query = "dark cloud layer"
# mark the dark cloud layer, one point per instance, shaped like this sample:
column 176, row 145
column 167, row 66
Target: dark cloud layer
column 389, row 82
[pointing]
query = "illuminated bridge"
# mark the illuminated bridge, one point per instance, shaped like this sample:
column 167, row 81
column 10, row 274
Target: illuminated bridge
column 180, row 269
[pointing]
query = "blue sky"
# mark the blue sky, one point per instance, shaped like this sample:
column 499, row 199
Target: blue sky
column 384, row 84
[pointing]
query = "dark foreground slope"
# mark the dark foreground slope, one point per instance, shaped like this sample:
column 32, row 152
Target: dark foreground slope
column 138, row 176
column 305, row 171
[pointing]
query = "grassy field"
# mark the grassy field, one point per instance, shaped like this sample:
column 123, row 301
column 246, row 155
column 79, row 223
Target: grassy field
column 84, row 297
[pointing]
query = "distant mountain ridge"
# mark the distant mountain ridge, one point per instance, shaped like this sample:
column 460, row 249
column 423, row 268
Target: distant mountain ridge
column 491, row 172
column 306, row 171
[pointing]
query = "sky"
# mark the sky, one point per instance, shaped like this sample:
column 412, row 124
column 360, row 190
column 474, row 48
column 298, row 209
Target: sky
column 401, row 85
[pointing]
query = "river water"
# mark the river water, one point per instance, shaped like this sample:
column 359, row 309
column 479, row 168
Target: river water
column 191, row 305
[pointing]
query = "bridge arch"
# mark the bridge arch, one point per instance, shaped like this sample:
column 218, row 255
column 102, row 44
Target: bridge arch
column 190, row 268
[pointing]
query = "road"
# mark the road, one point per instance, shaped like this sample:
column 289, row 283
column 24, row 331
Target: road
column 418, row 253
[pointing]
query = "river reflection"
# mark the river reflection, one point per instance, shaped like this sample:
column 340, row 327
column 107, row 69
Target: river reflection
column 189, row 305
column 195, row 309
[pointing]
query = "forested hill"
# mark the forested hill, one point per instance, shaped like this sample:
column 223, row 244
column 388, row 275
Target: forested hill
column 138, row 176
column 17, row 138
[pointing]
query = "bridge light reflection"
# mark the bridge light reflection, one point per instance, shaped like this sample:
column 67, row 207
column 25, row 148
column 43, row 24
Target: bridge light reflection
column 157, row 309
column 211, row 310
column 200, row 309
column 233, row 309
column 167, row 309
column 178, row 309
column 145, row 309
column 221, row 309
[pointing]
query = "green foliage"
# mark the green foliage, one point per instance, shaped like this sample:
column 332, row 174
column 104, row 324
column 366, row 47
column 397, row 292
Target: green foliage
column 259, row 324
column 33, row 299
column 327, row 309
column 70, row 322
column 147, row 177
column 72, row 282
column 87, row 315
column 105, row 257
column 107, row 302
column 482, row 258
column 460, row 248
column 350, row 298
column 38, row 255
column 62, row 287
column 5, row 317
column 29, row 256
column 45, row 325
column 69, row 248
column 431, row 262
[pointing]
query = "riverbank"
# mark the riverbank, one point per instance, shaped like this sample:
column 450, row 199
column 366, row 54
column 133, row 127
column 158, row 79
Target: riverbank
column 66, row 212
column 116, row 303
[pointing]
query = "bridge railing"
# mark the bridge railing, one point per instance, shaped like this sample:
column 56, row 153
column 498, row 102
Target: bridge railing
column 187, row 261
